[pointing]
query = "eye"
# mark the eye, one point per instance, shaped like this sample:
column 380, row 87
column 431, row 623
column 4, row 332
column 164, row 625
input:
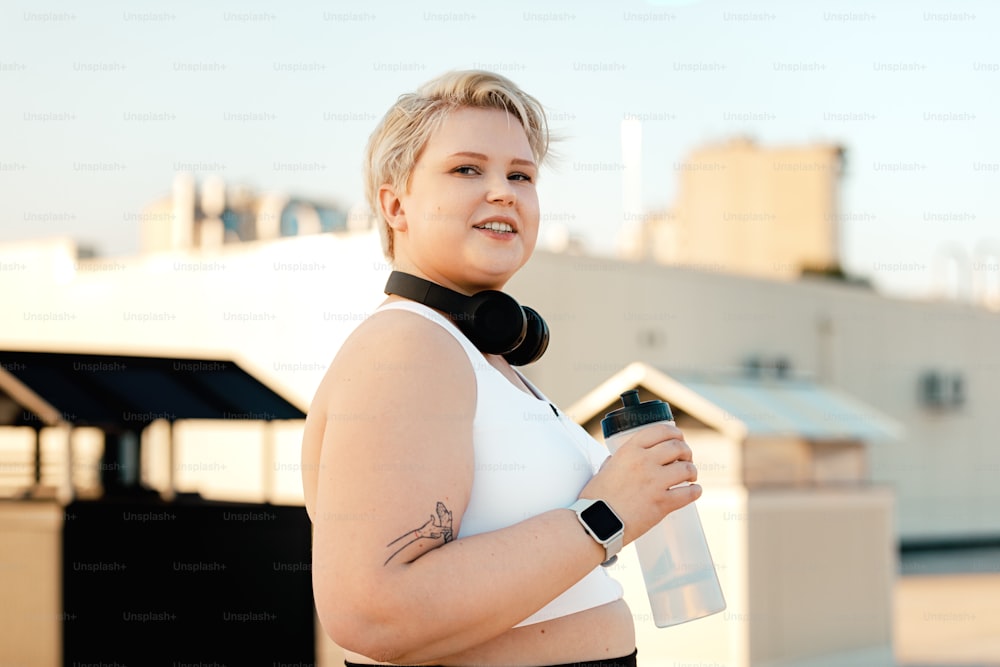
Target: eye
column 465, row 169
column 520, row 176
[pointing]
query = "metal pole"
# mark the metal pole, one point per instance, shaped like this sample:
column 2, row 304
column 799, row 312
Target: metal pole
column 37, row 481
column 267, row 456
column 67, row 492
column 170, row 492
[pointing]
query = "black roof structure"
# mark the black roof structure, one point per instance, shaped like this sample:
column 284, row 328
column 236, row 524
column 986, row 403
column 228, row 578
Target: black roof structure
column 116, row 392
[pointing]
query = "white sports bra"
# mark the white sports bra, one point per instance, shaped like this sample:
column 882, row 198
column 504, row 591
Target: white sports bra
column 529, row 458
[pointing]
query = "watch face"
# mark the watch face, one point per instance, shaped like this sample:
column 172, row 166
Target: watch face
column 602, row 520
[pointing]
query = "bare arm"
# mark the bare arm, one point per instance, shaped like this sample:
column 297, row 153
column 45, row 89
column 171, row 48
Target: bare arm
column 391, row 581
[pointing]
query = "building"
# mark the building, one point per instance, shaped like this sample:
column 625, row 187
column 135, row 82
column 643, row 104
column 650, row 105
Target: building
column 742, row 208
column 787, row 495
column 213, row 214
column 931, row 366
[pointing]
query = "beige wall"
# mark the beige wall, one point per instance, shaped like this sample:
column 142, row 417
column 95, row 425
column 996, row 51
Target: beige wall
column 31, row 615
column 821, row 570
column 604, row 314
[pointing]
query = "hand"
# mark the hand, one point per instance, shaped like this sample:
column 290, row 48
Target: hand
column 636, row 481
column 434, row 528
column 439, row 526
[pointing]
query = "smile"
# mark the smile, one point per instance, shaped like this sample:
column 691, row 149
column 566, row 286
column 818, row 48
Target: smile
column 497, row 227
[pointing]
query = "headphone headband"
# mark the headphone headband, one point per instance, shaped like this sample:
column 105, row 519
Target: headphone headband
column 425, row 291
column 493, row 321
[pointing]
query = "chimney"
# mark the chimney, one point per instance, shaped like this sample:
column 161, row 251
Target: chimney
column 182, row 222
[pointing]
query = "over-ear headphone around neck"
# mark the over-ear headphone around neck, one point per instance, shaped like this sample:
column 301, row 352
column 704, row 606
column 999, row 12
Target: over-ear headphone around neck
column 492, row 320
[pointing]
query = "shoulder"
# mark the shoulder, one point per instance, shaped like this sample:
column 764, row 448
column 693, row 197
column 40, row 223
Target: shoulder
column 397, row 353
column 414, row 338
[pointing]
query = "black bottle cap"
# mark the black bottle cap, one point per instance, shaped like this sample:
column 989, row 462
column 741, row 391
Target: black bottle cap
column 633, row 414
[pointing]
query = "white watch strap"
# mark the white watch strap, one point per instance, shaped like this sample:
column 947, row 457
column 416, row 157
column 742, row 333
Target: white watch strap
column 614, row 544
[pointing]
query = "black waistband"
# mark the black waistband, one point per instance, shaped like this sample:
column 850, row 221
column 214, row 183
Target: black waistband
column 625, row 661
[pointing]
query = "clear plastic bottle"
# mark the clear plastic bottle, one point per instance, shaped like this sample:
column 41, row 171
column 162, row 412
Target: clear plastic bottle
column 677, row 566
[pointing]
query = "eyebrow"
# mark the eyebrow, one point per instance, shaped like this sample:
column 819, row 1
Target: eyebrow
column 480, row 156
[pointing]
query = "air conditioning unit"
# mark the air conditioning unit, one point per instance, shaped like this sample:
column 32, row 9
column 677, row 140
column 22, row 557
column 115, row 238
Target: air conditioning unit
column 760, row 366
column 938, row 389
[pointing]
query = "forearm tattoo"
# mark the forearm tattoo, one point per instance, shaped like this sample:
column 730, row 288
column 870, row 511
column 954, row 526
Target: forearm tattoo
column 435, row 528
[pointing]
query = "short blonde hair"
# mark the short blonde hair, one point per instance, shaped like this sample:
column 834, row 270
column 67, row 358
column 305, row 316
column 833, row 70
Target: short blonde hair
column 396, row 143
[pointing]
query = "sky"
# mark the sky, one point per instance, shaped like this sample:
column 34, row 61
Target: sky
column 103, row 103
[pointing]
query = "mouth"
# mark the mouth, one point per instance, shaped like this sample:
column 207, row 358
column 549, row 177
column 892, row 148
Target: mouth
column 498, row 225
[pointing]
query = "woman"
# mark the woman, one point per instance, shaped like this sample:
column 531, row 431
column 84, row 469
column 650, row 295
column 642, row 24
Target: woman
column 438, row 479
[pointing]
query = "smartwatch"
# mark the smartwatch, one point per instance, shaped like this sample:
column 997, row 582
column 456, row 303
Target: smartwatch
column 601, row 522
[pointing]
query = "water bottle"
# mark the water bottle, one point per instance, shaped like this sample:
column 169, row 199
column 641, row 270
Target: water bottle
column 677, row 566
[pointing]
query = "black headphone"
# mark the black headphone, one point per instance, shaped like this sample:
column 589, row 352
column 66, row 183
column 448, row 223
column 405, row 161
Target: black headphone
column 492, row 320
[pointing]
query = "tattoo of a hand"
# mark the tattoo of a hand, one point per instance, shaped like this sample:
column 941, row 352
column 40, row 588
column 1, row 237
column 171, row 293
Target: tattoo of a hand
column 435, row 528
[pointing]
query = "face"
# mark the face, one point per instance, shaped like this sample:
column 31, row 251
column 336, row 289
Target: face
column 469, row 218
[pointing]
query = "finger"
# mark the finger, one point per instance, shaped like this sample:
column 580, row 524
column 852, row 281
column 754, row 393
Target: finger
column 669, row 451
column 655, row 433
column 679, row 472
column 687, row 493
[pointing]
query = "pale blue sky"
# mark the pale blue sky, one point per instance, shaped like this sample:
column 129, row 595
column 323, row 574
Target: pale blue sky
column 102, row 103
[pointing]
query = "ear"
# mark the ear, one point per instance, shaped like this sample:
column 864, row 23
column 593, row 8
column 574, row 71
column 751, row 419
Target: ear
column 392, row 208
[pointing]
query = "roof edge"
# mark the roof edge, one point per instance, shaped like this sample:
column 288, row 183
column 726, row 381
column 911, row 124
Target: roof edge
column 639, row 373
column 28, row 399
column 202, row 354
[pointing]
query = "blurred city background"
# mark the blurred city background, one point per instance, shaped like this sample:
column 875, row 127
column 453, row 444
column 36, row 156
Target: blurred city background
column 775, row 217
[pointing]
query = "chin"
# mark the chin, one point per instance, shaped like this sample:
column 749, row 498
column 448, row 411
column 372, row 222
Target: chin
column 497, row 276
column 491, row 269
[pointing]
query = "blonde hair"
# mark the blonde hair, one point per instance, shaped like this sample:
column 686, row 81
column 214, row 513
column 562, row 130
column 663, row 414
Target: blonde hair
column 400, row 137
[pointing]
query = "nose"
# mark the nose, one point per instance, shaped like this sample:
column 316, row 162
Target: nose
column 501, row 191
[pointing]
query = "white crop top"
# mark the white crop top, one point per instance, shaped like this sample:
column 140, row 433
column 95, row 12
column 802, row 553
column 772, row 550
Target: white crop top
column 528, row 460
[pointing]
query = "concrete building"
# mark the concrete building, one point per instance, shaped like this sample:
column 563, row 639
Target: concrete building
column 788, row 495
column 932, row 367
column 743, row 208
column 286, row 305
column 209, row 214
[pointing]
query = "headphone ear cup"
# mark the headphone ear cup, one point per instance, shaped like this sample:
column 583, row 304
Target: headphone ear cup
column 494, row 322
column 536, row 340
